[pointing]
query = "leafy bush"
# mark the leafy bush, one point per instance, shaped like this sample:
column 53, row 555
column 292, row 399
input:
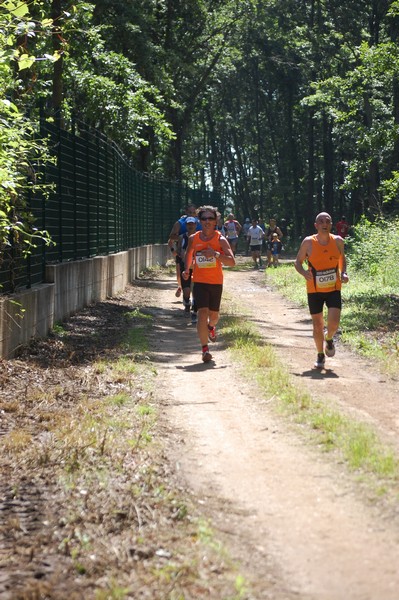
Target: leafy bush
column 20, row 149
column 374, row 250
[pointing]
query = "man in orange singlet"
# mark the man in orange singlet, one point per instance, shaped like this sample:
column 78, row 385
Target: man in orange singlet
column 326, row 272
column 209, row 250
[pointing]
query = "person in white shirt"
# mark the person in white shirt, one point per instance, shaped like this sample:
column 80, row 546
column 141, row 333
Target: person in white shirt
column 255, row 236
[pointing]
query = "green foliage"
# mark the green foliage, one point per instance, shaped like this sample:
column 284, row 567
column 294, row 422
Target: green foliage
column 104, row 88
column 374, row 250
column 283, row 109
column 21, row 152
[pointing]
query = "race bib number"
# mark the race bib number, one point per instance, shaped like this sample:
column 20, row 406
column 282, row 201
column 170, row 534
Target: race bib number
column 231, row 231
column 256, row 240
column 205, row 263
column 326, row 279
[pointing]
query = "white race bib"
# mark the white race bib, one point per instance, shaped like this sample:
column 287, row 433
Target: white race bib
column 205, row 263
column 326, row 279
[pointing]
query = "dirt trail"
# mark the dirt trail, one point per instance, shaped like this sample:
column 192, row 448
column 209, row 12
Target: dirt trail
column 295, row 520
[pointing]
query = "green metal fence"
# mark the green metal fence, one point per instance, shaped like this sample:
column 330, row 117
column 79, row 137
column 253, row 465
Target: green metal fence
column 101, row 205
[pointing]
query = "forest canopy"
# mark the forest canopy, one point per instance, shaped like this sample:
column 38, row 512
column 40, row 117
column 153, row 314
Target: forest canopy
column 283, row 107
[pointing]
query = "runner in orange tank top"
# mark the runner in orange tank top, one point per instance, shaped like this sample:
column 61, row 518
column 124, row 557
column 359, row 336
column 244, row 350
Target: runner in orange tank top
column 206, row 252
column 325, row 255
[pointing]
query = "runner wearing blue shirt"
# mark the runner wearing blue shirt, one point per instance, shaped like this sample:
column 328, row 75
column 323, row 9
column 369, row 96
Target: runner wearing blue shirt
column 179, row 228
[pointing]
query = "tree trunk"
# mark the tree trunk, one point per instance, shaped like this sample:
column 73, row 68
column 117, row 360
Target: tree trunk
column 309, row 208
column 57, row 90
column 328, row 153
column 373, row 177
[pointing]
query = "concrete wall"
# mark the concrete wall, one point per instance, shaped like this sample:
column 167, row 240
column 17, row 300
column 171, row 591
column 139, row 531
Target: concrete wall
column 69, row 287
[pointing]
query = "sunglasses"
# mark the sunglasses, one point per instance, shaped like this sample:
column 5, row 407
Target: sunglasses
column 208, row 218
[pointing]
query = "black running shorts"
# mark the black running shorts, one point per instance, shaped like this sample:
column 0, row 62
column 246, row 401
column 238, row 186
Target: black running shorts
column 331, row 299
column 208, row 295
column 186, row 283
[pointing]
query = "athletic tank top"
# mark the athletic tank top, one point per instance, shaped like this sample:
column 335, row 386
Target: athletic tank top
column 269, row 233
column 323, row 262
column 207, row 270
column 230, row 228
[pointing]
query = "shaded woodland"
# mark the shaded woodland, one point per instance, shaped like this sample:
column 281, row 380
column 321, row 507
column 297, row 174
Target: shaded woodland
column 284, row 107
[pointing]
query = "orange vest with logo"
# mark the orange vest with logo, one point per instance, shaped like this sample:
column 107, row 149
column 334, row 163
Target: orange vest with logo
column 207, row 270
column 324, row 264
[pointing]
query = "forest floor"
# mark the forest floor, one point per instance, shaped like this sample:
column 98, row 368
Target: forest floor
column 283, row 519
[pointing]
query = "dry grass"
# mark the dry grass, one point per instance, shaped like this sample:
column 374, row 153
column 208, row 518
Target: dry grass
column 91, row 507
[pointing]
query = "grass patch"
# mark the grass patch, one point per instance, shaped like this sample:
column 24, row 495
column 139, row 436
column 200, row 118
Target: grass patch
column 16, row 441
column 134, row 346
column 248, row 265
column 370, row 315
column 59, row 329
column 355, row 443
column 84, row 456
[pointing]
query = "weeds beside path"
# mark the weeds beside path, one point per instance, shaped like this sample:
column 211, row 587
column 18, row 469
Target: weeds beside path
column 132, row 470
column 90, row 506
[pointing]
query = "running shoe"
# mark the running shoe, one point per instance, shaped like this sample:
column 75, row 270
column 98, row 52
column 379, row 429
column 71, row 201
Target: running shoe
column 206, row 356
column 187, row 306
column 193, row 317
column 212, row 333
column 178, row 292
column 320, row 361
column 329, row 349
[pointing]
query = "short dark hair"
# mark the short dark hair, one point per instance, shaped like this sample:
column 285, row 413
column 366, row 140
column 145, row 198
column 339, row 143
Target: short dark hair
column 206, row 208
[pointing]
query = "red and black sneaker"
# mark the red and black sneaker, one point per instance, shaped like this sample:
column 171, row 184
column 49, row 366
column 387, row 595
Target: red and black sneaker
column 212, row 333
column 206, row 356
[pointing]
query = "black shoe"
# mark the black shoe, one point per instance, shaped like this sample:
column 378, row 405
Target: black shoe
column 329, row 348
column 320, row 361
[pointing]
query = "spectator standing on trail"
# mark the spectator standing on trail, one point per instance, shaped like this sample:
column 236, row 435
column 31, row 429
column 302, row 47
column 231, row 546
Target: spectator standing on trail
column 255, row 236
column 232, row 229
column 245, row 229
column 325, row 255
column 179, row 228
column 276, row 246
column 269, row 237
column 210, row 251
column 342, row 227
column 186, row 284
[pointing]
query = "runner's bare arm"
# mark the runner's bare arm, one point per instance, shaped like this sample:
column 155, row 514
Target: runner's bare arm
column 303, row 253
column 226, row 255
column 188, row 258
column 172, row 243
column 175, row 231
